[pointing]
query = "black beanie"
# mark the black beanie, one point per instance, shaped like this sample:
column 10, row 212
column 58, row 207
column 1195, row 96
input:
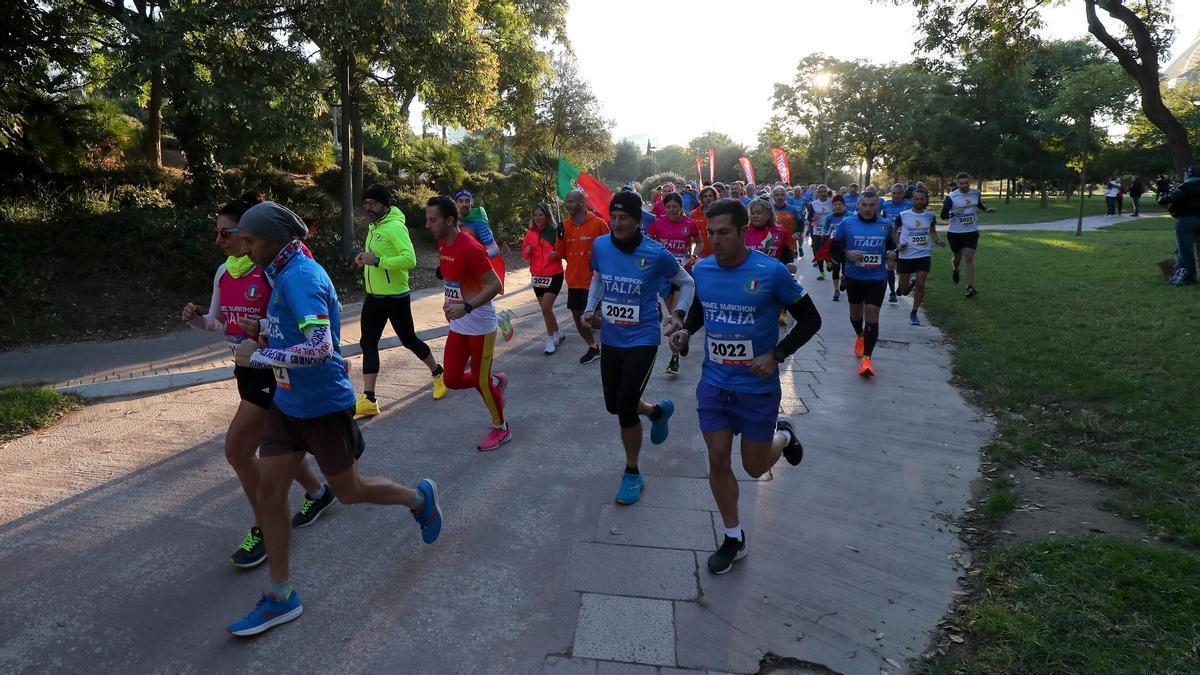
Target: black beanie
column 379, row 194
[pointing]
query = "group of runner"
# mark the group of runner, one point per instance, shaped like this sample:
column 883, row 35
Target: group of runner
column 728, row 266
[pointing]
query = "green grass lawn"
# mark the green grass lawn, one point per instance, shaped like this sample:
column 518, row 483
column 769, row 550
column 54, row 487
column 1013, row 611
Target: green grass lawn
column 1019, row 211
column 24, row 409
column 1088, row 360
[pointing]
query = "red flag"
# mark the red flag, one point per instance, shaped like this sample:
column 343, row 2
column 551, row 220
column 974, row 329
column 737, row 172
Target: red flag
column 781, row 164
column 598, row 194
column 700, row 169
column 747, row 169
column 824, row 253
column 712, row 165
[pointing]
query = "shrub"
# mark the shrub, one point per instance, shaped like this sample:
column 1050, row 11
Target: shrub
column 651, row 182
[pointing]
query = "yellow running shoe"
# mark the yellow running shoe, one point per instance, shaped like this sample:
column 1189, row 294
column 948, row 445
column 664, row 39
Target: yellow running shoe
column 439, row 387
column 365, row 407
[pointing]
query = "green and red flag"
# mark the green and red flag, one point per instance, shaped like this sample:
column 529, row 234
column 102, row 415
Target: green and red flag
column 598, row 194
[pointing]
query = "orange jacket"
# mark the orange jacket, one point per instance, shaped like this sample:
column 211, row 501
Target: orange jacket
column 701, row 221
column 575, row 248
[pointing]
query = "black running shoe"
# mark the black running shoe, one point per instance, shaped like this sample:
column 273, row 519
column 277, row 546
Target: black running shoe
column 590, row 355
column 721, row 561
column 252, row 552
column 954, row 276
column 892, row 297
column 793, row 452
column 673, row 365
column 311, row 509
column 971, row 292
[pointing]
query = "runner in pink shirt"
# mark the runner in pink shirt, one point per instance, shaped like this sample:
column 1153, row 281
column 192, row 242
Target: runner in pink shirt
column 680, row 236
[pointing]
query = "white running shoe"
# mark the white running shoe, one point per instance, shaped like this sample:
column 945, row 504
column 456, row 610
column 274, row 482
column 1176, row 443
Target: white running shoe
column 551, row 344
column 559, row 337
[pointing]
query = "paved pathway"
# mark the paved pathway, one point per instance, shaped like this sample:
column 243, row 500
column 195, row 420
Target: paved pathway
column 116, row 523
column 1069, row 224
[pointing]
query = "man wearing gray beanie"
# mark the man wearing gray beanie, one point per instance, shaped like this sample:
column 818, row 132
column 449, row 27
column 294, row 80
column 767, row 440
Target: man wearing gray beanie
column 313, row 408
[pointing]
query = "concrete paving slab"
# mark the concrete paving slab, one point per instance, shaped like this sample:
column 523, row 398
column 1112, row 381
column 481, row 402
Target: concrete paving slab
column 640, row 525
column 636, row 630
column 632, row 570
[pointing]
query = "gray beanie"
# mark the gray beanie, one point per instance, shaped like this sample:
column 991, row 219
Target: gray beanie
column 273, row 222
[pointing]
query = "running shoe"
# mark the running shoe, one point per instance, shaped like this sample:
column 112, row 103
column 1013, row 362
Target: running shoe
column 429, row 517
column 252, row 552
column 504, row 323
column 793, row 452
column 559, row 337
column 551, row 344
column 590, row 355
column 837, row 295
column 631, row 489
column 892, row 297
column 1181, row 278
column 860, row 347
column 659, row 428
column 311, row 509
column 673, row 365
column 864, row 367
column 912, row 286
column 954, row 276
column 721, row 561
column 439, row 387
column 365, row 407
column 821, row 276
column 268, row 613
column 912, row 318
column 496, row 437
column 971, row 292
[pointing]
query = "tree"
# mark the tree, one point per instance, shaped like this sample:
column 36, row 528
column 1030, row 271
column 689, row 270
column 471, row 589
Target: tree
column 567, row 120
column 624, row 164
column 727, row 169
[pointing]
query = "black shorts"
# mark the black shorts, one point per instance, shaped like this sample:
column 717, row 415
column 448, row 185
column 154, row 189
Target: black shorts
column 961, row 240
column 554, row 288
column 255, row 385
column 577, row 299
column 624, row 372
column 865, row 292
column 913, row 265
column 334, row 440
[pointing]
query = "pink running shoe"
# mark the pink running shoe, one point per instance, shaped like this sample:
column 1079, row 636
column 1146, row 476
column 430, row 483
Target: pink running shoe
column 495, row 438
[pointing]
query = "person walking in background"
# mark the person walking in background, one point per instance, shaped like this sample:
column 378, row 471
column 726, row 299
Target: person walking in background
column 1136, row 189
column 1121, row 198
column 1111, row 189
column 1183, row 202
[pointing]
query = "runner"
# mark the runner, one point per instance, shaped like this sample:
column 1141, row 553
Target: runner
column 741, row 292
column 474, row 220
column 575, row 247
column 545, row 269
column 313, row 409
column 629, row 271
column 815, row 212
column 764, row 234
column 828, row 229
column 690, row 199
column 471, row 284
column 864, row 244
column 852, row 194
column 722, row 190
column 679, row 235
column 889, row 210
column 387, row 257
column 790, row 218
column 959, row 209
column 707, row 196
column 915, row 229
column 239, row 299
column 737, row 191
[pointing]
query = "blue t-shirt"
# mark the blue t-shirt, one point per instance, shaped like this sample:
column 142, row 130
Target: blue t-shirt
column 647, row 221
column 851, row 202
column 631, row 285
column 690, row 201
column 303, row 296
column 741, row 318
column 870, row 239
column 891, row 209
column 746, row 201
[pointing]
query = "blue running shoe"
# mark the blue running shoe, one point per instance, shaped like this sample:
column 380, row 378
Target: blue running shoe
column 268, row 613
column 658, row 428
column 912, row 318
column 631, row 489
column 430, row 515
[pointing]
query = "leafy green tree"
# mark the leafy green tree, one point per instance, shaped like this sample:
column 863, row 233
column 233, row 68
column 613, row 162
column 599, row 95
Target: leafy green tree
column 727, row 169
column 567, row 120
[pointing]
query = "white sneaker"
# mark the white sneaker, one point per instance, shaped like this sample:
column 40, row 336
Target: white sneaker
column 551, row 344
column 559, row 337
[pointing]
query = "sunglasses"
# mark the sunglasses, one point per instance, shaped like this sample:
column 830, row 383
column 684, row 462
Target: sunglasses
column 225, row 232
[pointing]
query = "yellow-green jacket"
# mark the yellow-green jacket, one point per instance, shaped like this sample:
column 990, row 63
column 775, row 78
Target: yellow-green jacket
column 388, row 238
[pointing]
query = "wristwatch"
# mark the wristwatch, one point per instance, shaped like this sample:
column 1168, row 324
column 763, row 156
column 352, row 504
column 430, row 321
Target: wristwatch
column 679, row 314
column 778, row 354
column 467, row 307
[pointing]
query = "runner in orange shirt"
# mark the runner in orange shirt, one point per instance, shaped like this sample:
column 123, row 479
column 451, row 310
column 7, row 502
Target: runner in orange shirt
column 707, row 196
column 580, row 229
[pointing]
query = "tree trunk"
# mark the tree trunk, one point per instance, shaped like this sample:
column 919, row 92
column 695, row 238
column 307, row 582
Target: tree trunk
column 347, row 177
column 152, row 138
column 1008, row 190
column 356, row 137
column 1079, row 223
column 1045, row 196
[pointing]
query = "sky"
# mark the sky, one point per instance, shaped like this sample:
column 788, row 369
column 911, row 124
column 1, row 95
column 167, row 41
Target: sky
column 620, row 43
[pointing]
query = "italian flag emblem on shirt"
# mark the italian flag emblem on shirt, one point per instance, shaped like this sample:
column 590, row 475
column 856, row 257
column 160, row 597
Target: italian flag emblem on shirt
column 642, row 262
column 752, row 286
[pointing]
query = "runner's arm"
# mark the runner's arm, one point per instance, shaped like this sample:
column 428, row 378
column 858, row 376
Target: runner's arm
column 406, row 256
column 947, row 205
column 214, row 320
column 808, row 322
column 595, row 293
column 315, row 350
column 687, row 288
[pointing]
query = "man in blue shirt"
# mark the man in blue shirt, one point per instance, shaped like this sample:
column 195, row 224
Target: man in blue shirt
column 690, row 199
column 865, row 246
column 630, row 270
column 741, row 293
column 891, row 208
column 851, row 197
column 313, row 409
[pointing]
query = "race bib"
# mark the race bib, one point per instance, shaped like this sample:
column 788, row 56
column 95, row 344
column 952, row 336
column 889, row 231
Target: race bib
column 731, row 352
column 871, row 260
column 966, row 220
column 919, row 239
column 454, row 294
column 542, row 282
column 621, row 315
column 282, row 380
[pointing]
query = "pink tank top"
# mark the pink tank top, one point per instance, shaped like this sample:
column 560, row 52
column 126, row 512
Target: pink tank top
column 676, row 237
column 769, row 240
column 243, row 296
